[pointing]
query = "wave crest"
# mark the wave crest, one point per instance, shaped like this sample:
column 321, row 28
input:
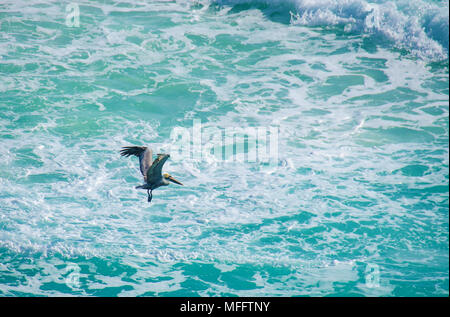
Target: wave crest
column 418, row 26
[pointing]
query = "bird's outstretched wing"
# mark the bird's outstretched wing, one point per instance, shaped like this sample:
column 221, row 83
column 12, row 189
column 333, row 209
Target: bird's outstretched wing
column 144, row 154
column 154, row 172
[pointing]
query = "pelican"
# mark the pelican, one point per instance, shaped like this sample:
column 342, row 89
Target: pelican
column 151, row 171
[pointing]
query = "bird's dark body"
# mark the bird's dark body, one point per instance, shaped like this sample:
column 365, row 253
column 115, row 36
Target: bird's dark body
column 152, row 186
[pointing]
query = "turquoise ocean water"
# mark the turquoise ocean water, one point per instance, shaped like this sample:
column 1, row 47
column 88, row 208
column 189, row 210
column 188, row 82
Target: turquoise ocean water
column 356, row 204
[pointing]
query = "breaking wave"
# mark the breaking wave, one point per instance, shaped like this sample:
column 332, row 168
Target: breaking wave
column 420, row 27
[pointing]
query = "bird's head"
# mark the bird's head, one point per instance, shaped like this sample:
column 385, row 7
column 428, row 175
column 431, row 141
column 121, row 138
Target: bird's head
column 170, row 178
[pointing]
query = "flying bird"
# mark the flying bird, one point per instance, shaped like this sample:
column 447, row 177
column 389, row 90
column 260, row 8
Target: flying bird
column 152, row 172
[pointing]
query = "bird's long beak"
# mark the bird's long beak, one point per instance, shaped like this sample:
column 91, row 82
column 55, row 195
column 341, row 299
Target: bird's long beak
column 173, row 180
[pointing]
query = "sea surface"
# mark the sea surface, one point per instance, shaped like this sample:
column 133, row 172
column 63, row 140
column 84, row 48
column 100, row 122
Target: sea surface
column 355, row 203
